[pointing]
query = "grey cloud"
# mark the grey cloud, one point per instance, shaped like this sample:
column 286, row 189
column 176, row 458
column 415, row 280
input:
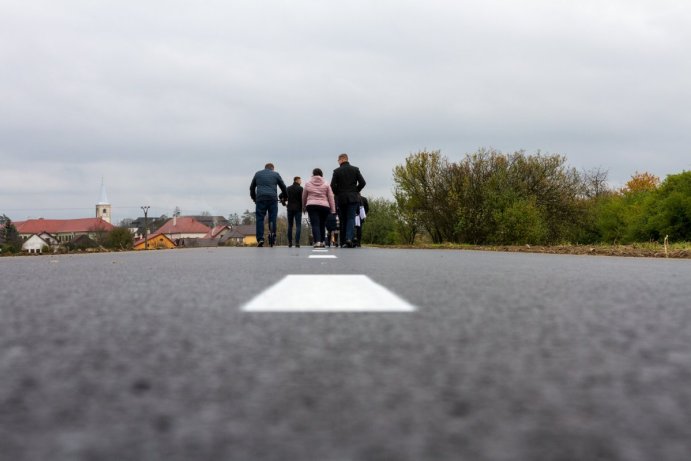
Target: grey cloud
column 221, row 87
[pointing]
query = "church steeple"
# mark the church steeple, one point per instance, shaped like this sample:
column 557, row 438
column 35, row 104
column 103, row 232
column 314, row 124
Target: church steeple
column 103, row 208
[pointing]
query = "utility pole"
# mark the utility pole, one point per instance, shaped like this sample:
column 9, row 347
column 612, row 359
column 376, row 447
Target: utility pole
column 145, row 209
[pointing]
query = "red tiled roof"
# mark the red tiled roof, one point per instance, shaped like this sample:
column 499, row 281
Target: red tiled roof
column 61, row 226
column 213, row 233
column 184, row 225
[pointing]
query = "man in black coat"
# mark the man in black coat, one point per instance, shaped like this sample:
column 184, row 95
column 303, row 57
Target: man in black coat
column 346, row 183
column 294, row 211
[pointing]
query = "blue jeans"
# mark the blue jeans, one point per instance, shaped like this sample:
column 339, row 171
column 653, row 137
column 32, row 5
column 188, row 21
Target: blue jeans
column 346, row 215
column 294, row 217
column 264, row 206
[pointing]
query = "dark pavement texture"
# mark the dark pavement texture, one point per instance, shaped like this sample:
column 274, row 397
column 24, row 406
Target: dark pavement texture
column 147, row 356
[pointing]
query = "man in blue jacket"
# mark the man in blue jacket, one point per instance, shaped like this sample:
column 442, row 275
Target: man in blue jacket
column 263, row 193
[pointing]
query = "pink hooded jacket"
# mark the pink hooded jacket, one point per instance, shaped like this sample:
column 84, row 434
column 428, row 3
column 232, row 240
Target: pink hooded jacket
column 318, row 192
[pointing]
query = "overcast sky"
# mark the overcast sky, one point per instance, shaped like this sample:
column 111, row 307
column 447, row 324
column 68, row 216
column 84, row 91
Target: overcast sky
column 178, row 103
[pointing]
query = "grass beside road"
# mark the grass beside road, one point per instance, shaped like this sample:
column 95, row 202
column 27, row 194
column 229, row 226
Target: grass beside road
column 648, row 250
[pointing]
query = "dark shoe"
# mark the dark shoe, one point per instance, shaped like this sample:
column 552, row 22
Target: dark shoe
column 349, row 243
column 297, row 245
column 290, row 245
column 260, row 243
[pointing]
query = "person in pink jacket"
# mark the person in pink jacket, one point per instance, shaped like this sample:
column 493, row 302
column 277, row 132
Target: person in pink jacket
column 318, row 200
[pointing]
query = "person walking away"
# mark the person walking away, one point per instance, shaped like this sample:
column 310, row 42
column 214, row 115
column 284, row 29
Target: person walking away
column 318, row 200
column 332, row 229
column 295, row 209
column 363, row 211
column 263, row 193
column 346, row 183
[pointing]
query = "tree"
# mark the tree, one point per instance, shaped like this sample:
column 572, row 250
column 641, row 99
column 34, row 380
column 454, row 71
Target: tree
column 248, row 217
column 11, row 242
column 641, row 182
column 595, row 182
column 519, row 223
column 234, row 219
column 667, row 210
column 481, row 199
column 119, row 238
column 634, row 213
column 380, row 226
column 422, row 190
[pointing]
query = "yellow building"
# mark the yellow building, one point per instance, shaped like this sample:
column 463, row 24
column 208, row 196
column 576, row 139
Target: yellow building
column 249, row 234
column 155, row 242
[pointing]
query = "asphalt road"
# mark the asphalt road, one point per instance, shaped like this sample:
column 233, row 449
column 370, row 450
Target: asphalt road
column 148, row 356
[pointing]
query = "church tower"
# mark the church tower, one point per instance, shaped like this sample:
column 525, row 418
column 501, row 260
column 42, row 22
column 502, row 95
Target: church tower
column 103, row 209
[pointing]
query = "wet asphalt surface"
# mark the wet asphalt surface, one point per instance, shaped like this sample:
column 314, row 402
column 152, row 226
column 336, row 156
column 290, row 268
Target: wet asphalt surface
column 147, row 356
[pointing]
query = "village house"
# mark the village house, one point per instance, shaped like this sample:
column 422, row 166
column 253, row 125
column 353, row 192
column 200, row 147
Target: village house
column 38, row 243
column 218, row 232
column 183, row 227
column 248, row 233
column 64, row 230
column 213, row 238
column 211, row 221
column 55, row 232
column 232, row 238
column 153, row 224
column 157, row 241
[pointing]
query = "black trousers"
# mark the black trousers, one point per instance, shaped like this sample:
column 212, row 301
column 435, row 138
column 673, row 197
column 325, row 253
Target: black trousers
column 318, row 215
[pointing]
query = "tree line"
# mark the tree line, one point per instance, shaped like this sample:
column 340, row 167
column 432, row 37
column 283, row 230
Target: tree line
column 490, row 197
column 495, row 198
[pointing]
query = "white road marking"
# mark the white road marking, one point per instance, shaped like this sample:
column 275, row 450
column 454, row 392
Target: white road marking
column 327, row 293
column 323, row 256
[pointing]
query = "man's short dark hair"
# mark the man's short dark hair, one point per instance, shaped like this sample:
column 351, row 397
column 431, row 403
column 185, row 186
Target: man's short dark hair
column 270, row 166
column 296, row 178
column 343, row 157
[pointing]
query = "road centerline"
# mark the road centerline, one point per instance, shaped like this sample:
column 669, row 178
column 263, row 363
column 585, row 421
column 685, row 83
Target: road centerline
column 327, row 293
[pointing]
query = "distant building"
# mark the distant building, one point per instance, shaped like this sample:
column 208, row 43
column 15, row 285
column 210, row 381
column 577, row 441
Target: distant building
column 211, row 221
column 218, row 232
column 248, row 232
column 82, row 242
column 64, row 230
column 183, row 227
column 156, row 241
column 136, row 226
column 103, row 208
column 232, row 238
column 38, row 243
